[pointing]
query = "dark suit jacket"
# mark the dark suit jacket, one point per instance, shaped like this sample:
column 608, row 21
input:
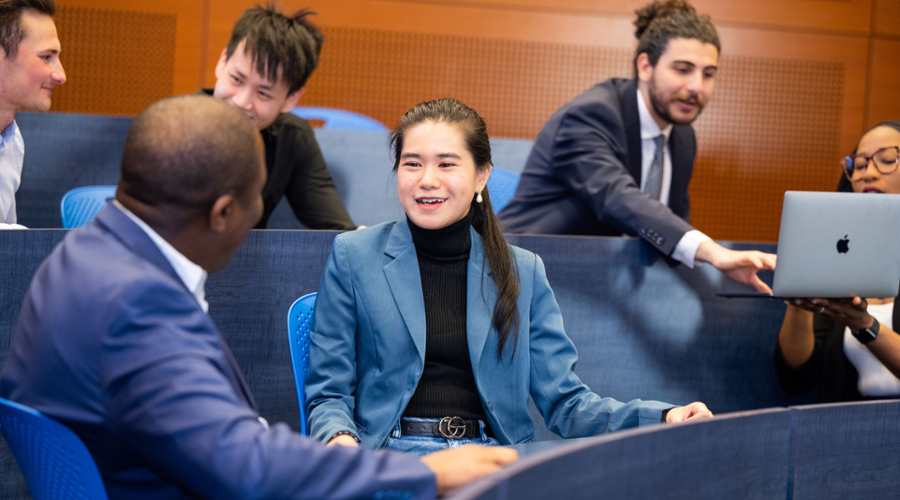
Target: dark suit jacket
column 584, row 173
column 111, row 343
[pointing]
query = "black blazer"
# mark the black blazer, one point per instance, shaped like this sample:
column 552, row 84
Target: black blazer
column 584, row 173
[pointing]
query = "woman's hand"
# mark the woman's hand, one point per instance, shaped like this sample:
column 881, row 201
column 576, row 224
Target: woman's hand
column 687, row 412
column 848, row 312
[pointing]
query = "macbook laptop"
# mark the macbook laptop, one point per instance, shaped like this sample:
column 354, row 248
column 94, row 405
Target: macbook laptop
column 834, row 245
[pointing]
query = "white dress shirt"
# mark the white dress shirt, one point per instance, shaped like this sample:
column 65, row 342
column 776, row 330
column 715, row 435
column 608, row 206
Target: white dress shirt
column 12, row 153
column 686, row 249
column 192, row 275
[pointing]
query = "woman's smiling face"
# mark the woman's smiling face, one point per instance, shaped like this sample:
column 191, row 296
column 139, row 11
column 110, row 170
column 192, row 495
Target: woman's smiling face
column 437, row 178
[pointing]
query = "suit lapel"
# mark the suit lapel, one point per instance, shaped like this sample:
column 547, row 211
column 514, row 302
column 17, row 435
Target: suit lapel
column 632, row 121
column 682, row 165
column 136, row 240
column 402, row 274
column 481, row 295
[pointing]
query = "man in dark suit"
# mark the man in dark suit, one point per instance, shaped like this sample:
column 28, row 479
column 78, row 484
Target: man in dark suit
column 114, row 341
column 263, row 72
column 618, row 158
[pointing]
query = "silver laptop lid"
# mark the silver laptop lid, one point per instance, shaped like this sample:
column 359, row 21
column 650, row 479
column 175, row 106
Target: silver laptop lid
column 838, row 245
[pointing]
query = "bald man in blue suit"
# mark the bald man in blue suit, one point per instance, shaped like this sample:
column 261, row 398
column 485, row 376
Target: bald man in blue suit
column 114, row 341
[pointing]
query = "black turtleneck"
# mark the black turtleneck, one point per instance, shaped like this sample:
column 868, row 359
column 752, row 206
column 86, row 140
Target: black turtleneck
column 447, row 387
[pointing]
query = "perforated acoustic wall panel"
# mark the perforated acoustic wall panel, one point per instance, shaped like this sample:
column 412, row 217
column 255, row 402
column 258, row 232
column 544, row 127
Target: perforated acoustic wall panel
column 116, row 62
column 772, row 124
column 514, row 85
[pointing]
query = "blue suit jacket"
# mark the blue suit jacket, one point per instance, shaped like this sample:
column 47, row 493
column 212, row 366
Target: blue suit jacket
column 111, row 343
column 584, row 173
column 367, row 347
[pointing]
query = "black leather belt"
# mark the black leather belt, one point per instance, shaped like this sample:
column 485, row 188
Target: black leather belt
column 447, row 427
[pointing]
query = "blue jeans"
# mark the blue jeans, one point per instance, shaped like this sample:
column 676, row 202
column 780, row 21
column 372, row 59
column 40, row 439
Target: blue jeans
column 424, row 444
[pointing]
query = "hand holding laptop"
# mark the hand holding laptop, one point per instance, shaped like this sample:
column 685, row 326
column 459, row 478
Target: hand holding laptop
column 851, row 312
column 741, row 266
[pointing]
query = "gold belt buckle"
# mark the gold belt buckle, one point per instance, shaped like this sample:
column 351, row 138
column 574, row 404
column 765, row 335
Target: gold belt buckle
column 452, row 428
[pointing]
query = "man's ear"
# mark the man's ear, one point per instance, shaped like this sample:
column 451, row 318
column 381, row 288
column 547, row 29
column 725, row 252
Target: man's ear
column 220, row 66
column 291, row 101
column 644, row 68
column 220, row 213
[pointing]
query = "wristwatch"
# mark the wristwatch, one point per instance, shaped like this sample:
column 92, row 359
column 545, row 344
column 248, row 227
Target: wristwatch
column 866, row 335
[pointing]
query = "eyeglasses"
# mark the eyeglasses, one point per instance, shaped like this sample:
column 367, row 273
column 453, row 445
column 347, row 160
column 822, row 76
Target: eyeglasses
column 885, row 160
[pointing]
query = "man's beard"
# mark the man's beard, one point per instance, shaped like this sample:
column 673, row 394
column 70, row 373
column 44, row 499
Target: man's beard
column 660, row 105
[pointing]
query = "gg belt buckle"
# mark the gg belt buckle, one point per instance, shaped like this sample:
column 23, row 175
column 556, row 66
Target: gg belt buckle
column 452, row 427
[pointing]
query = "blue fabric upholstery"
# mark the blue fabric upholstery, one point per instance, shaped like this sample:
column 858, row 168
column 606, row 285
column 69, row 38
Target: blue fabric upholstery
column 821, row 452
column 732, row 457
column 63, row 152
column 55, row 463
column 642, row 328
column 298, row 325
column 502, row 186
column 848, row 451
column 66, row 151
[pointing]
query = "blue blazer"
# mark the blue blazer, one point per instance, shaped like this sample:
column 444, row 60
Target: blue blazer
column 583, row 175
column 111, row 343
column 367, row 347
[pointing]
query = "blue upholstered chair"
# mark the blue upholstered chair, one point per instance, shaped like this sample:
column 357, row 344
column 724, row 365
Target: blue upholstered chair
column 334, row 118
column 299, row 318
column 80, row 205
column 55, row 463
column 502, row 186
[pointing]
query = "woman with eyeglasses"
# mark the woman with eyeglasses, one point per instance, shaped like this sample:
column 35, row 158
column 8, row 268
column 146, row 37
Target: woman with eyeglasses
column 848, row 348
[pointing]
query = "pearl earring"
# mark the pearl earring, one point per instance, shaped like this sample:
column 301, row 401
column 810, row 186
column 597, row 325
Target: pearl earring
column 478, row 198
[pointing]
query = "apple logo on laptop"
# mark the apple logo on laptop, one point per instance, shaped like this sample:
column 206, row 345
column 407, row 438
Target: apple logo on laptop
column 843, row 245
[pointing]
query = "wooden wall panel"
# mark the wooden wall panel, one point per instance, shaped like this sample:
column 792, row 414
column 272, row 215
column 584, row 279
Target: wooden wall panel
column 800, row 79
column 112, row 46
column 137, row 67
column 516, row 86
column 887, row 18
column 884, row 99
column 836, row 15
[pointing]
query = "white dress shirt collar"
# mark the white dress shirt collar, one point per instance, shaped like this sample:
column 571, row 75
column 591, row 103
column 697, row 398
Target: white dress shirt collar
column 649, row 128
column 192, row 275
column 12, row 154
column 8, row 132
column 687, row 246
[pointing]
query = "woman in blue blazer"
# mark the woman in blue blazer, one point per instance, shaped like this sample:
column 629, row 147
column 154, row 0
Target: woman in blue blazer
column 432, row 332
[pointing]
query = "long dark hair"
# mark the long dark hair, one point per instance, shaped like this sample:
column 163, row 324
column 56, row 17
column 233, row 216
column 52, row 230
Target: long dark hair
column 497, row 252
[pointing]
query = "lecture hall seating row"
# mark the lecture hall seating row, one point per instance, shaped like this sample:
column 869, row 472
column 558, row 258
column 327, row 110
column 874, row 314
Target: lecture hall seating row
column 642, row 328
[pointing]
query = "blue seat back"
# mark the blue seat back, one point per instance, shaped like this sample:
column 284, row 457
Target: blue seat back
column 80, row 205
column 299, row 319
column 502, row 186
column 334, row 118
column 54, row 461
